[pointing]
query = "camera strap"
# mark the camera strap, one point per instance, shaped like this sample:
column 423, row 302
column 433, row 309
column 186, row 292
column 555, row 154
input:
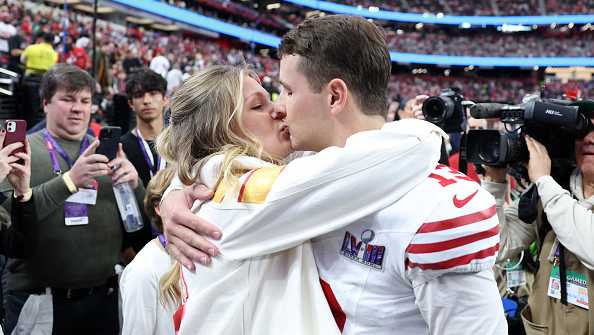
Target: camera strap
column 562, row 273
column 462, row 163
column 559, row 260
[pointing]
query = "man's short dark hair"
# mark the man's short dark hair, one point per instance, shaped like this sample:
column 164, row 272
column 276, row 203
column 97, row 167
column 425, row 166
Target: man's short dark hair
column 143, row 81
column 48, row 38
column 345, row 47
column 65, row 77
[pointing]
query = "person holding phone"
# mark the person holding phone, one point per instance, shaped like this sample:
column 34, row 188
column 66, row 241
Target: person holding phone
column 15, row 167
column 74, row 238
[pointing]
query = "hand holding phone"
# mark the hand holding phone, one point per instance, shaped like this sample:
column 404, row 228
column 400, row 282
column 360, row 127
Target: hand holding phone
column 15, row 159
column 16, row 131
column 109, row 137
column 89, row 166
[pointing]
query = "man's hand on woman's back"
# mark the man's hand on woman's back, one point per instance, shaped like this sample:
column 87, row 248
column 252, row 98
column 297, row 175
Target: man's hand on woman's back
column 186, row 233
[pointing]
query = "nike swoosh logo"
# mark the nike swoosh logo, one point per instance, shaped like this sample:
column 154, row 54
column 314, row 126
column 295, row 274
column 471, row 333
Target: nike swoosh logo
column 459, row 203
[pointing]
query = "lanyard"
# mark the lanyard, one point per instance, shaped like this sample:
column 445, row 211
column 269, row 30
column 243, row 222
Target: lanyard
column 55, row 149
column 163, row 240
column 154, row 167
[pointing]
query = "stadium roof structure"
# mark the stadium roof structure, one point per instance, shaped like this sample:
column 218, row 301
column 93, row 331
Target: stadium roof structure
column 440, row 18
column 191, row 18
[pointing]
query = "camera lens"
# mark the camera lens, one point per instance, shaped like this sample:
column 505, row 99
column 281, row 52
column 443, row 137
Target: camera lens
column 438, row 109
column 433, row 109
column 488, row 149
column 484, row 146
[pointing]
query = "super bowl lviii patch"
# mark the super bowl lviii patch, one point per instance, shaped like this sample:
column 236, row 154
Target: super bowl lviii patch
column 361, row 251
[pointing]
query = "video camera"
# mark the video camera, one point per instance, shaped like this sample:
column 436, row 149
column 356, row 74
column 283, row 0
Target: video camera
column 446, row 110
column 554, row 123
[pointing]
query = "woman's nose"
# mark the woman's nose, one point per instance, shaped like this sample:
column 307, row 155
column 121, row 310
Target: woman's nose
column 278, row 111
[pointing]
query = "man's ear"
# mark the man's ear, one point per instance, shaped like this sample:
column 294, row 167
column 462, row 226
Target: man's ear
column 44, row 102
column 338, row 95
column 130, row 104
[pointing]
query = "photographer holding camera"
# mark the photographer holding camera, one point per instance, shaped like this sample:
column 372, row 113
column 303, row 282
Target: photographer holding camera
column 564, row 231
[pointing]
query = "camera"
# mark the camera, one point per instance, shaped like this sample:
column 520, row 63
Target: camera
column 446, row 110
column 554, row 123
column 11, row 126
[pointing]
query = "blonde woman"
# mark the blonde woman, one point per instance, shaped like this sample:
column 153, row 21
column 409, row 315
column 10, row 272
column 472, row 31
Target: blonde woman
column 142, row 310
column 225, row 133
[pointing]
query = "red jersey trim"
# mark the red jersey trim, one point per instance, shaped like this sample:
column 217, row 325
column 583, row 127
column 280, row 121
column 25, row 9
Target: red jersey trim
column 240, row 197
column 450, row 263
column 425, row 248
column 459, row 221
column 337, row 312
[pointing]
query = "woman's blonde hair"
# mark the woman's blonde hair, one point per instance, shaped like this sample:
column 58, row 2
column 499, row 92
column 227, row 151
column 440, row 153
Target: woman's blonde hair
column 206, row 113
column 205, row 121
column 154, row 192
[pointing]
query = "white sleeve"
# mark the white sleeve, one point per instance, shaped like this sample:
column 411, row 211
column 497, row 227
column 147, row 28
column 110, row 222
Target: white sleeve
column 573, row 224
column 140, row 296
column 462, row 303
column 176, row 184
column 327, row 191
column 515, row 235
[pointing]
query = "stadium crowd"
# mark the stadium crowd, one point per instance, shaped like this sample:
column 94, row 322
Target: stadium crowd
column 455, row 7
column 483, row 7
column 484, row 43
column 430, row 40
column 137, row 46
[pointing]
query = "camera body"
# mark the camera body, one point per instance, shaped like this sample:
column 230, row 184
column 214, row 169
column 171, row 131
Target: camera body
column 446, row 110
column 554, row 123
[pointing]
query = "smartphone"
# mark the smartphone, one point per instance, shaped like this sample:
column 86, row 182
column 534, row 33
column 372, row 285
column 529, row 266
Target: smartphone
column 16, row 131
column 109, row 137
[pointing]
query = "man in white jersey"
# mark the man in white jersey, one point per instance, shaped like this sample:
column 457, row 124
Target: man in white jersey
column 420, row 265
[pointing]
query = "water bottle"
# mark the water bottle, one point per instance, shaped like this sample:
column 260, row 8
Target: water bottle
column 128, row 207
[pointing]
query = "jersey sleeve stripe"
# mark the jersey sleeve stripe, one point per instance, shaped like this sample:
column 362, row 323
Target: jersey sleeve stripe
column 454, row 233
column 450, row 244
column 459, row 221
column 458, row 261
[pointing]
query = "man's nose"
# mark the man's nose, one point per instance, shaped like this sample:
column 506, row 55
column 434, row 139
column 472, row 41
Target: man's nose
column 78, row 106
column 278, row 111
column 146, row 98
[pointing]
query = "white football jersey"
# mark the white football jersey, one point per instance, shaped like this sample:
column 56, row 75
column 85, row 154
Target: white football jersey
column 376, row 272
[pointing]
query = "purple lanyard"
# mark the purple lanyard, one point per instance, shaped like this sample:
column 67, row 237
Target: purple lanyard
column 153, row 168
column 163, row 240
column 53, row 146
